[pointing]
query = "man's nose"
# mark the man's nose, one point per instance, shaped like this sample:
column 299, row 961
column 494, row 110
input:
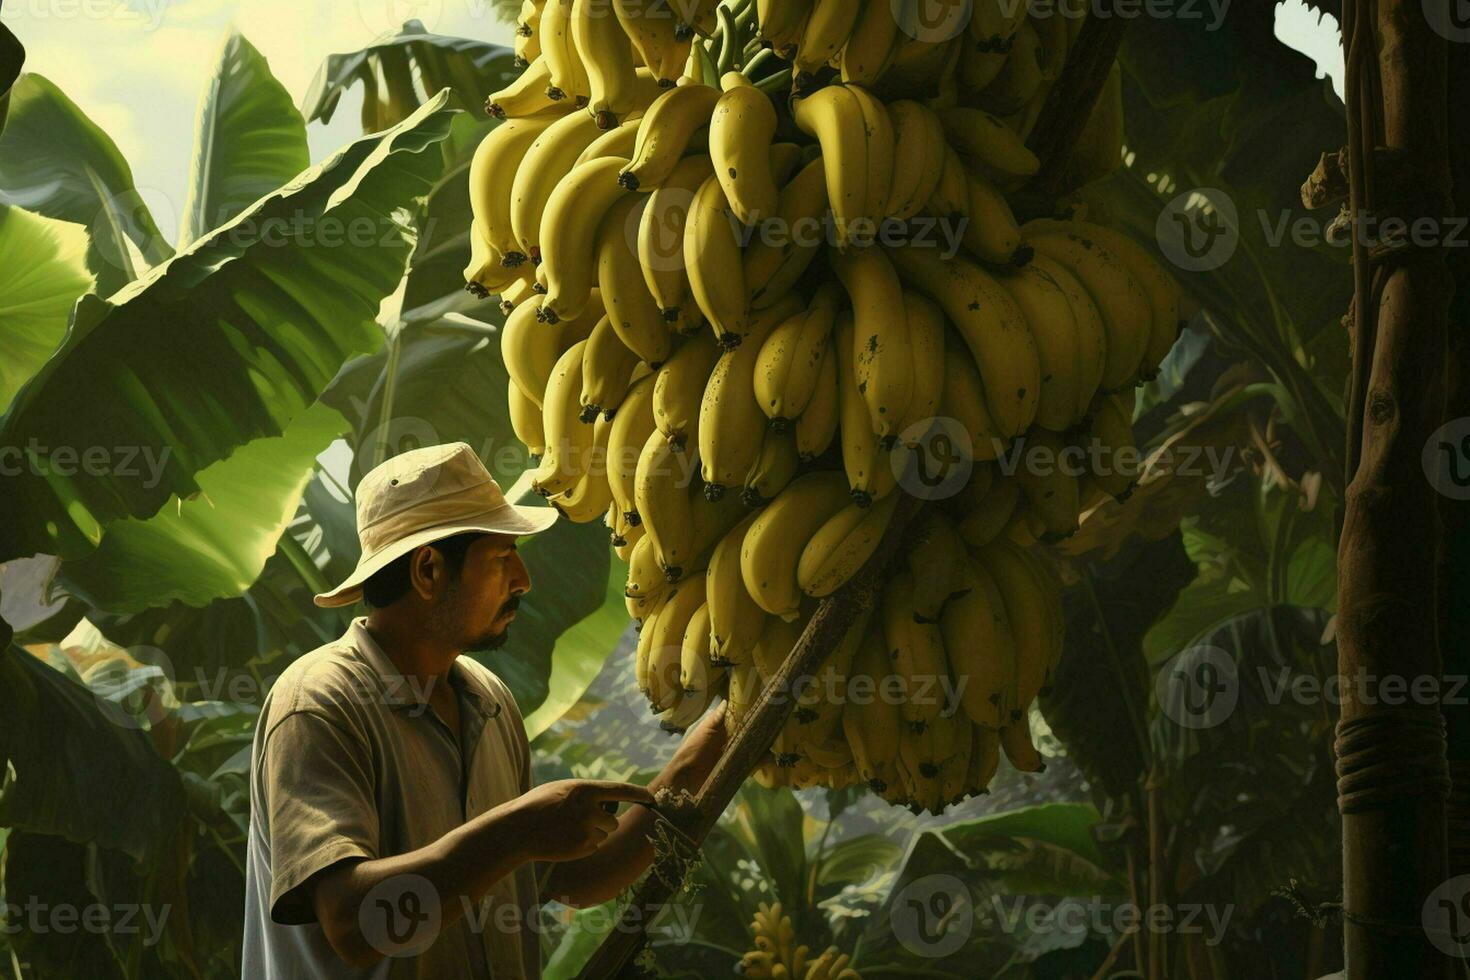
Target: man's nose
column 520, row 582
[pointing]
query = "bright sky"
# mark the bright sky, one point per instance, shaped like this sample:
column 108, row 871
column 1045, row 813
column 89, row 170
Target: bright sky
column 137, row 67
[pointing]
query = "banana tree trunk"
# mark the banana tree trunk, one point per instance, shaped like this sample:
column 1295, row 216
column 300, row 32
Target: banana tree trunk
column 1392, row 779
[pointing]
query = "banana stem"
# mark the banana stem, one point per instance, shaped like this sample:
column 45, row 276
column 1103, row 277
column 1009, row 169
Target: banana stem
column 751, row 743
column 776, row 82
column 756, row 61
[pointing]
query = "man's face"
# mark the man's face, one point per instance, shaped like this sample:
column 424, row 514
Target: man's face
column 477, row 607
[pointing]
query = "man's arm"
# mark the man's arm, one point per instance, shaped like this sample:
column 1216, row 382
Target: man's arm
column 628, row 850
column 560, row 821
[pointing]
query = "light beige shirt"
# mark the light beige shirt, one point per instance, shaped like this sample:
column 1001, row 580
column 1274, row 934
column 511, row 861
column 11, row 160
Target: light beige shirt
column 349, row 761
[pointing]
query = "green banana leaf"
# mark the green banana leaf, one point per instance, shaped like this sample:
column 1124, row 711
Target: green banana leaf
column 249, row 140
column 216, row 544
column 43, row 269
column 78, row 773
column 470, row 69
column 55, row 161
column 580, row 651
column 225, row 343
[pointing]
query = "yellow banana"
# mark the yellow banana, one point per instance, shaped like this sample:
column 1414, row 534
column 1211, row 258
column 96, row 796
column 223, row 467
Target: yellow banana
column 878, row 126
column 777, row 637
column 984, row 758
column 695, row 669
column 991, row 233
column 964, row 401
column 745, row 688
column 780, row 23
column 1015, row 739
column 1018, row 81
column 834, row 117
column 882, row 361
column 980, row 647
column 917, row 652
column 568, row 74
column 774, row 468
column 773, row 545
column 625, row 442
column 661, row 235
column 487, row 272
column 1111, row 449
column 526, row 421
column 492, row 172
column 607, row 371
column 606, row 55
column 589, row 499
column 816, row 427
column 926, row 342
column 919, row 152
column 661, row 494
column 1026, row 610
column 842, row 545
column 871, row 44
column 735, row 619
column 667, row 129
column 985, row 522
column 568, row 439
column 1120, row 299
column 615, row 142
column 936, row 556
column 1091, row 335
column 528, row 39
column 988, row 143
column 631, row 308
column 526, row 96
column 827, row 29
column 872, row 723
column 867, row 465
column 530, row 349
column 1049, row 313
column 574, row 213
column 993, row 328
column 649, row 25
column 741, row 129
column 713, row 264
column 790, row 358
column 667, row 643
column 1047, row 473
column 679, row 390
column 550, row 158
column 950, row 200
column 731, row 420
column 773, row 262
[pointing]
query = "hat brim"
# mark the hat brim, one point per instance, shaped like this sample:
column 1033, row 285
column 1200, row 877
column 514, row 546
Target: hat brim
column 508, row 519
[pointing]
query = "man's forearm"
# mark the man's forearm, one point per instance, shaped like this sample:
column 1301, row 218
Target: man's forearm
column 461, row 867
column 628, row 851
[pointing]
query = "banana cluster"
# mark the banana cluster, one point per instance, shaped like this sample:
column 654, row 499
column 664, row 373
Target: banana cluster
column 778, row 956
column 757, row 262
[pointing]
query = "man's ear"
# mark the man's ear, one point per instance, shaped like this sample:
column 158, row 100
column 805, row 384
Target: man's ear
column 426, row 572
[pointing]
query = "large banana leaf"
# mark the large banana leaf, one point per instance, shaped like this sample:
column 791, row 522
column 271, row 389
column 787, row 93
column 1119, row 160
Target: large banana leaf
column 225, row 343
column 216, row 544
column 54, row 160
column 399, row 70
column 249, row 140
column 43, row 269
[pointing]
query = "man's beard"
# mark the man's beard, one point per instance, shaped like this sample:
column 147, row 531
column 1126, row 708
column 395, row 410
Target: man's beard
column 449, row 616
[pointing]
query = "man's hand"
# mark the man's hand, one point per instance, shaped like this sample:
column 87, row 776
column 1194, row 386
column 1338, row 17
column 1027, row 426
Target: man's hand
column 570, row 818
column 701, row 749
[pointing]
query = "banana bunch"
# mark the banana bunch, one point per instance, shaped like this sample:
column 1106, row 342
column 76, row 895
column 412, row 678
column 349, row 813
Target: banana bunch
column 777, row 955
column 711, row 349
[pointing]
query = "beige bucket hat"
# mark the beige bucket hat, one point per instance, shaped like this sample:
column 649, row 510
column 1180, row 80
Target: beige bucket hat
column 423, row 496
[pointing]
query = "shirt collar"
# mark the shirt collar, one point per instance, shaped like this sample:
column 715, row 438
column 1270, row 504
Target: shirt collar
column 410, row 693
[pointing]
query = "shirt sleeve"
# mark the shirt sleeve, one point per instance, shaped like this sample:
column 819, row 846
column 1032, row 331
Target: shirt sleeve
column 320, row 801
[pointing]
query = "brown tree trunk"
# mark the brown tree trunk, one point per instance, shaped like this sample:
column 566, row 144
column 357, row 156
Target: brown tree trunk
column 1392, row 780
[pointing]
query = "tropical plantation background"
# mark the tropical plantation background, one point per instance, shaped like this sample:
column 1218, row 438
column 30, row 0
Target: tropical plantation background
column 186, row 413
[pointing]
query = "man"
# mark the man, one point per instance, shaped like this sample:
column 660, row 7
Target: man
column 394, row 828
